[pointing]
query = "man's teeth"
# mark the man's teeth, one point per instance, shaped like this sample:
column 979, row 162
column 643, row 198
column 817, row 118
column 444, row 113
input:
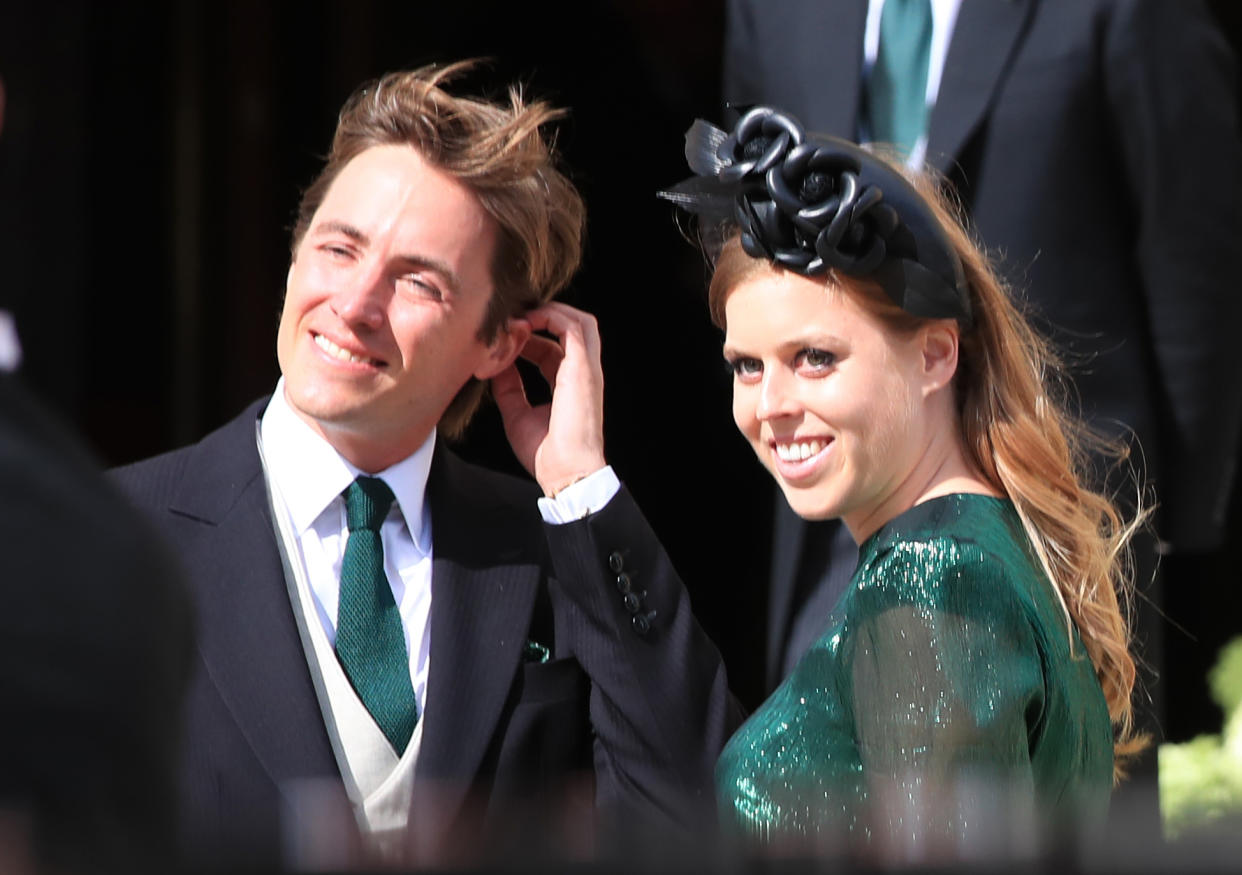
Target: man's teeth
column 798, row 452
column 336, row 352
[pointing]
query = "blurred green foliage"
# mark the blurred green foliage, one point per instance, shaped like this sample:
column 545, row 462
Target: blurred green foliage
column 1201, row 780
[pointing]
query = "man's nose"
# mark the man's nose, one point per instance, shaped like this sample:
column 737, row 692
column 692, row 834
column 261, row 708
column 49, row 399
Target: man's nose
column 362, row 298
column 777, row 396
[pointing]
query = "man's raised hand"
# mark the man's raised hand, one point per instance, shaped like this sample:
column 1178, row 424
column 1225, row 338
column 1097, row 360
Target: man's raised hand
column 562, row 441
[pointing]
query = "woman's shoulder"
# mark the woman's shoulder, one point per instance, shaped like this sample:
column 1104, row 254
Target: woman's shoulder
column 959, row 516
column 953, row 551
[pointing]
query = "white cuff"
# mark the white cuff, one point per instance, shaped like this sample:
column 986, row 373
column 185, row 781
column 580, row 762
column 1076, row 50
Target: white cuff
column 582, row 498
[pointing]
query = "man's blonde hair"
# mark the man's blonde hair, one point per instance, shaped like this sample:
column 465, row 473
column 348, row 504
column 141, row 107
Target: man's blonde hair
column 496, row 150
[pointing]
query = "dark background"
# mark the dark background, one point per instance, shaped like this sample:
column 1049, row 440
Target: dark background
column 151, row 161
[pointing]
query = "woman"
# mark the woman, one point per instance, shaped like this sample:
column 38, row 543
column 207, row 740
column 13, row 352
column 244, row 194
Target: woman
column 977, row 667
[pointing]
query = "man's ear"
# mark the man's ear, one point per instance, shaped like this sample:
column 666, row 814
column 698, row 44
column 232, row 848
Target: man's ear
column 939, row 349
column 505, row 347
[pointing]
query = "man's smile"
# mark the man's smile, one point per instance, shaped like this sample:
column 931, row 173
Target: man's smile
column 342, row 354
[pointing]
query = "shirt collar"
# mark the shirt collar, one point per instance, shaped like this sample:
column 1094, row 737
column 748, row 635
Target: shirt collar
column 291, row 449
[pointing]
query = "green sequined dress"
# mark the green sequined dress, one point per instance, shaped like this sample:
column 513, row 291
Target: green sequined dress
column 943, row 693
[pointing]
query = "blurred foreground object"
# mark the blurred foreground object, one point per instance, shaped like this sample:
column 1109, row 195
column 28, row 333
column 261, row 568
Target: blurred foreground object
column 1201, row 780
column 95, row 643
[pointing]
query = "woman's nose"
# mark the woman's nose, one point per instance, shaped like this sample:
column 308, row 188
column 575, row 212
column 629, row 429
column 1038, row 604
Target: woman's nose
column 776, row 396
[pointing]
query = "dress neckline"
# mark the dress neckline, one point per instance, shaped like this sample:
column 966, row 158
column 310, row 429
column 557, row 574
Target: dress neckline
column 934, row 514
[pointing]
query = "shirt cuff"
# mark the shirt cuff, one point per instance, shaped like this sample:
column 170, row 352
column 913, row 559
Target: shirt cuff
column 582, row 498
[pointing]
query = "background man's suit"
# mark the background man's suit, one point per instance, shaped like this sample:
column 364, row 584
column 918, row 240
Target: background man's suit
column 501, row 733
column 1095, row 146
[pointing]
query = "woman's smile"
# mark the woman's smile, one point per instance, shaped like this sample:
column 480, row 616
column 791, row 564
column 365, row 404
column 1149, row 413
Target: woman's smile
column 799, row 458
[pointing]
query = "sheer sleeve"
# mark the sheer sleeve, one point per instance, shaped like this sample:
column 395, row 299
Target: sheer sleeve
column 947, row 688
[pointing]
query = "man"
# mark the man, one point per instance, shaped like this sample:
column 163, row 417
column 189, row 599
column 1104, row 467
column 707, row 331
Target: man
column 1095, row 146
column 503, row 667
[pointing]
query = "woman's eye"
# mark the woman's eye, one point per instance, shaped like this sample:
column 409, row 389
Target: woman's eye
column 816, row 359
column 745, row 367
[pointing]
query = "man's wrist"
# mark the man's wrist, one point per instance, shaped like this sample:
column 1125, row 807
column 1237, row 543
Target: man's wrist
column 580, row 497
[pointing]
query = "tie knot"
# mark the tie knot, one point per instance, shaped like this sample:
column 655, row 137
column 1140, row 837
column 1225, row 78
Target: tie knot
column 367, row 501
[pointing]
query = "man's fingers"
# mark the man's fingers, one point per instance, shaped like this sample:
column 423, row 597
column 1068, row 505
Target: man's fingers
column 577, row 340
column 568, row 323
column 546, row 354
column 509, row 393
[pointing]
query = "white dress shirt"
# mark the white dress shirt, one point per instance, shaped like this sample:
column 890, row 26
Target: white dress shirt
column 309, row 477
column 944, row 17
column 306, row 477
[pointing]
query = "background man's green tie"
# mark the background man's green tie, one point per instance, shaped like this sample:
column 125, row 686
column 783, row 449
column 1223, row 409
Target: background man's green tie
column 370, row 642
column 897, row 89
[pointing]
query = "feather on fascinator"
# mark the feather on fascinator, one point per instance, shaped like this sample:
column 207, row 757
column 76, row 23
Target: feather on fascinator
column 814, row 203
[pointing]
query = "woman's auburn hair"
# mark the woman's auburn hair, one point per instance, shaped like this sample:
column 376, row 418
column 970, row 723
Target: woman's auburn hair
column 1017, row 428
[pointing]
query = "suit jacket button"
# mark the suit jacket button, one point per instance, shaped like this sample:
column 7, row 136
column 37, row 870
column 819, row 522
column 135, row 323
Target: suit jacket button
column 632, row 603
column 642, row 622
column 614, row 562
column 624, row 584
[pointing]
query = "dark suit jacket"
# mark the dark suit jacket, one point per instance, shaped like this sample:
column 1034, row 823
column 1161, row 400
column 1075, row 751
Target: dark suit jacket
column 94, row 655
column 1095, row 146
column 638, row 717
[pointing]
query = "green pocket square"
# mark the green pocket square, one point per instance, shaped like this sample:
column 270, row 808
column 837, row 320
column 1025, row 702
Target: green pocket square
column 533, row 651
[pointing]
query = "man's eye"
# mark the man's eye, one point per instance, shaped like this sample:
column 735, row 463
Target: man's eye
column 336, row 251
column 417, row 287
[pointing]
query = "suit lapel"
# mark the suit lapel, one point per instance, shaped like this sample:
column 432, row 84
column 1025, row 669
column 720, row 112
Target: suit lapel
column 985, row 41
column 248, row 635
column 485, row 583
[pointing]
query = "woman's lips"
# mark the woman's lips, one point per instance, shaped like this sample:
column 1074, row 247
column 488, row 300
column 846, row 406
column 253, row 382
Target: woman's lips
column 798, row 459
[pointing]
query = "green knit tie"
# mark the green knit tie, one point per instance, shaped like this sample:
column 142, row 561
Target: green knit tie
column 370, row 642
column 897, row 89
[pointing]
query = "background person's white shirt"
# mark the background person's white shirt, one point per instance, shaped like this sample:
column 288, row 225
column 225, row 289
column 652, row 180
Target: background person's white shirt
column 944, row 17
column 10, row 348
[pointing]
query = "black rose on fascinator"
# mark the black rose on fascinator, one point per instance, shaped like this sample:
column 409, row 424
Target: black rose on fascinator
column 817, row 203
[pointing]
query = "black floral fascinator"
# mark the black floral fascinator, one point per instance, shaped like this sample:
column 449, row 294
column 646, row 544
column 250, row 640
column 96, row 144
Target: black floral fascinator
column 815, row 203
